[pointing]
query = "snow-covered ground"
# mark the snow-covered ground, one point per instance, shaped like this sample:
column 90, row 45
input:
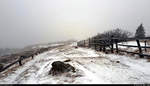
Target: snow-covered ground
column 131, row 43
column 91, row 68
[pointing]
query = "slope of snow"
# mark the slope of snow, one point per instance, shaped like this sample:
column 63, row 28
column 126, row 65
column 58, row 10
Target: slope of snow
column 91, row 68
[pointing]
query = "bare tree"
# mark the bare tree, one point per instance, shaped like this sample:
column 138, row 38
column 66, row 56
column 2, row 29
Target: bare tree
column 116, row 33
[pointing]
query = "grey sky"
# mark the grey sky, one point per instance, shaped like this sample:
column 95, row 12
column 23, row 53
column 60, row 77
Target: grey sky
column 25, row 22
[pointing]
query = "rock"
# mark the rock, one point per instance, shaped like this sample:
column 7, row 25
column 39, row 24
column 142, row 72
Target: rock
column 60, row 67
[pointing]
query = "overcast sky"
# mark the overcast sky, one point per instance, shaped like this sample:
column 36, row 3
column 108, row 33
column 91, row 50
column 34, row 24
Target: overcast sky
column 25, row 22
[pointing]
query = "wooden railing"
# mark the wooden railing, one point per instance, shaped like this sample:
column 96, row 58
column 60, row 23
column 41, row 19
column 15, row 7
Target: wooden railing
column 27, row 54
column 102, row 44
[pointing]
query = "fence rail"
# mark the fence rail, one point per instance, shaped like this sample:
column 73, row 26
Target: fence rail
column 102, row 44
column 134, row 46
column 27, row 54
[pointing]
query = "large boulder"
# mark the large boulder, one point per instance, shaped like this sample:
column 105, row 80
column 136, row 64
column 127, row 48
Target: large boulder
column 59, row 67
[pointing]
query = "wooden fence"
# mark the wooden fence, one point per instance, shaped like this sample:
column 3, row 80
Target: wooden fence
column 27, row 54
column 112, row 45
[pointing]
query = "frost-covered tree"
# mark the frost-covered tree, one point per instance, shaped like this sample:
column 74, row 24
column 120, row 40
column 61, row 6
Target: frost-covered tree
column 116, row 33
column 140, row 32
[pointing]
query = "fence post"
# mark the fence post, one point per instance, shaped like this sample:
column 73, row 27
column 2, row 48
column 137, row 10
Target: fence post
column 104, row 48
column 104, row 45
column 94, row 43
column 32, row 56
column 112, row 47
column 77, row 43
column 140, row 49
column 100, row 49
column 116, row 41
column 20, row 58
column 95, row 46
column 89, row 43
column 84, row 43
column 145, row 45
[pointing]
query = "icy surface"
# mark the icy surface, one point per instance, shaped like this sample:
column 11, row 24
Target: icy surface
column 91, row 68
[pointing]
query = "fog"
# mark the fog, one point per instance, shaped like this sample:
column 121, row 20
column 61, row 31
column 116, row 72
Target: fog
column 26, row 22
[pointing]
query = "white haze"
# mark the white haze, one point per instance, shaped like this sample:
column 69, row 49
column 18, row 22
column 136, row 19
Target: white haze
column 25, row 22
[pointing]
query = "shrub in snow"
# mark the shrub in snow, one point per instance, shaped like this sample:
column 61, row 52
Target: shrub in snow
column 60, row 67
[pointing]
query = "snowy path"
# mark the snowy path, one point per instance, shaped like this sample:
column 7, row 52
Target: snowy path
column 91, row 68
